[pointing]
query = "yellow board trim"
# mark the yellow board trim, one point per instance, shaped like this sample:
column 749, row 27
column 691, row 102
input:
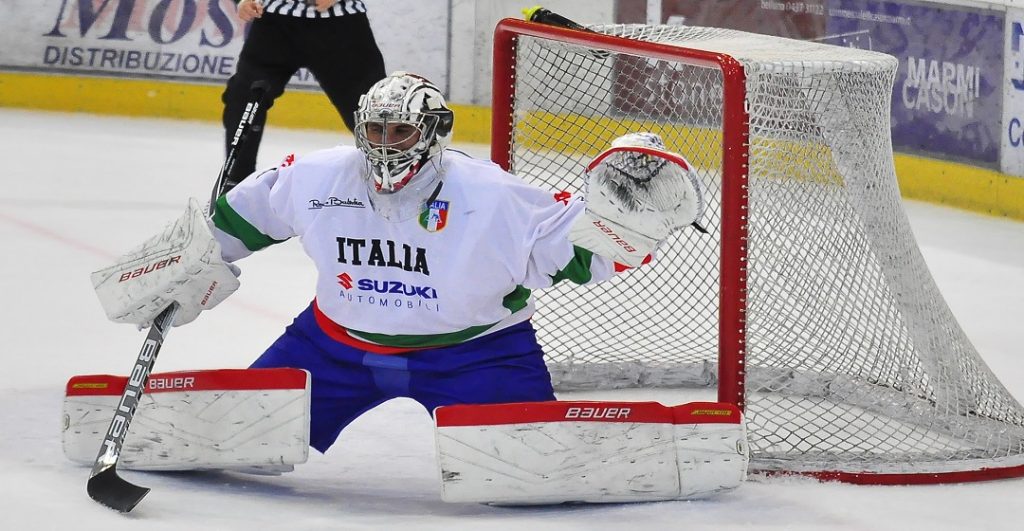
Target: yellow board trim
column 960, row 185
column 298, row 108
column 122, row 97
column 949, row 183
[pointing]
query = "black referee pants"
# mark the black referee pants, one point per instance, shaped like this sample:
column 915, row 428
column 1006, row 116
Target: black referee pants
column 339, row 51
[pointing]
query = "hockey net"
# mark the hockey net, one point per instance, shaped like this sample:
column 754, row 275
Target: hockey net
column 809, row 303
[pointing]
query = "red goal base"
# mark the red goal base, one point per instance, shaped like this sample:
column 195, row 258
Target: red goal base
column 927, row 478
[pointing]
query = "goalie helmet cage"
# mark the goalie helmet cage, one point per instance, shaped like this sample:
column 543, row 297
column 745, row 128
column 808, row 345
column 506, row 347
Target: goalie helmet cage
column 809, row 303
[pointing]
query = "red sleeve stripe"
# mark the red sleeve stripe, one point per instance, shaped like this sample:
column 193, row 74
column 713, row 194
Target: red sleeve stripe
column 212, row 380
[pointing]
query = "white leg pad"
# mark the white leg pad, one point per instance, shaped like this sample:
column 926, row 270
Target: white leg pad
column 241, row 419
column 596, row 452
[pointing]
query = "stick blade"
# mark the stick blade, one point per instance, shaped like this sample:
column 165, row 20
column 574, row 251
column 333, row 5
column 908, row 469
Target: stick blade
column 109, row 489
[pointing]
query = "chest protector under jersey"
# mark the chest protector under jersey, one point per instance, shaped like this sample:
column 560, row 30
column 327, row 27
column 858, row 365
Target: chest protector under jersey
column 462, row 268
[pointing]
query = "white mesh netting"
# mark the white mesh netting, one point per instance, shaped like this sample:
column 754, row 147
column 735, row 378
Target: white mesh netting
column 854, row 363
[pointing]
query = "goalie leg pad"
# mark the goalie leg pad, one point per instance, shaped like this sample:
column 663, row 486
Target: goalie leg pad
column 249, row 420
column 596, row 452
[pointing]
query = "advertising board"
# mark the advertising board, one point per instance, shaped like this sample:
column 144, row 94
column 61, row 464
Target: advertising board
column 190, row 40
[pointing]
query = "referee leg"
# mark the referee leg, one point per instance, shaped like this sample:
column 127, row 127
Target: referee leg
column 343, row 56
column 266, row 55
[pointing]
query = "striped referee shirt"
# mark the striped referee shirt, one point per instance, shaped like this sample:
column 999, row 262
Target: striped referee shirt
column 307, row 8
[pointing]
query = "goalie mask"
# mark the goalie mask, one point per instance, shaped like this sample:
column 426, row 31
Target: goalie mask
column 402, row 126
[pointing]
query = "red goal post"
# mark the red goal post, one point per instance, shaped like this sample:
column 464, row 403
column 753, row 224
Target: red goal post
column 809, row 304
column 734, row 164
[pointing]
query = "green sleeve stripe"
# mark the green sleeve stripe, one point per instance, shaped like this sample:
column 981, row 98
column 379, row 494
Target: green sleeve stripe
column 516, row 300
column 226, row 219
column 578, row 268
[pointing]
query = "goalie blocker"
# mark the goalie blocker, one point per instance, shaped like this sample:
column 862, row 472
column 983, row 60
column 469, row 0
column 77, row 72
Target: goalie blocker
column 182, row 264
column 598, row 452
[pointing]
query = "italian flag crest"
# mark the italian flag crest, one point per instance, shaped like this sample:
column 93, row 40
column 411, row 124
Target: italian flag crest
column 435, row 216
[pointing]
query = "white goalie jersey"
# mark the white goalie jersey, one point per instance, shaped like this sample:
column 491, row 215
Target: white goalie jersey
column 464, row 267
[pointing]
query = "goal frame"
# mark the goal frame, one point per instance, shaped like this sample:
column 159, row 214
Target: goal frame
column 735, row 132
column 732, row 341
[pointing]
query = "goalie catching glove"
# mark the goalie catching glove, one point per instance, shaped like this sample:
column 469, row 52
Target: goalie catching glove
column 638, row 193
column 183, row 264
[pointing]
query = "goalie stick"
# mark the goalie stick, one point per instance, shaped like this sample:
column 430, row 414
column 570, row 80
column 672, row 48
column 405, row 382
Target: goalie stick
column 542, row 15
column 256, row 93
column 546, row 16
column 104, row 485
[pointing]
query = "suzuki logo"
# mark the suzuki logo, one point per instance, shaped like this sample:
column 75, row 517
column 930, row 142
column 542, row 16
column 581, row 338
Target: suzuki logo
column 345, row 280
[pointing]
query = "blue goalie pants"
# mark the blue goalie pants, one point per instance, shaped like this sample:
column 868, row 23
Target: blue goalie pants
column 505, row 366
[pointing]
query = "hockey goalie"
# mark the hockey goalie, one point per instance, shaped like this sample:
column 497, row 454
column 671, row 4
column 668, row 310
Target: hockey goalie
column 426, row 262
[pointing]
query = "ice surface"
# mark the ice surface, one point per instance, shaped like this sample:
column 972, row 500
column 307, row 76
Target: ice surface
column 79, row 189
